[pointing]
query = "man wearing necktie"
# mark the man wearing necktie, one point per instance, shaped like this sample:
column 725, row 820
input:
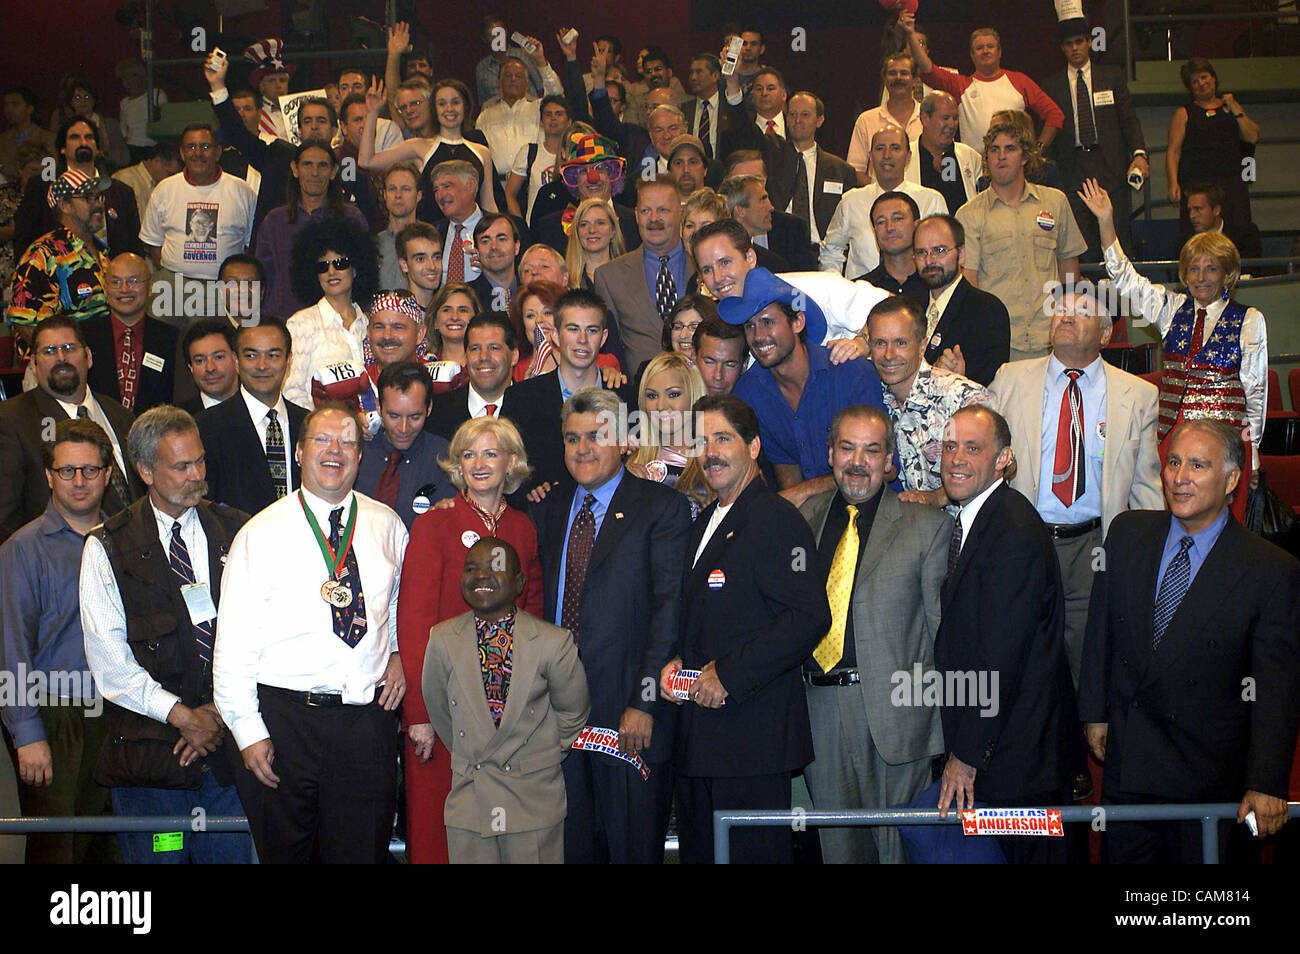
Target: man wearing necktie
column 1190, row 662
column 150, row 585
column 884, row 562
column 306, row 671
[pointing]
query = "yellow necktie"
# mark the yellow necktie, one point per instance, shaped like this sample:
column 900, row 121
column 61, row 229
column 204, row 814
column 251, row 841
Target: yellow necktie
column 839, row 588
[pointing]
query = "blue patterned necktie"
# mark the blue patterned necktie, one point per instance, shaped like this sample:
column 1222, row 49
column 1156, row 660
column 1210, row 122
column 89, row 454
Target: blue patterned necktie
column 178, row 555
column 1172, row 590
column 275, row 456
column 350, row 620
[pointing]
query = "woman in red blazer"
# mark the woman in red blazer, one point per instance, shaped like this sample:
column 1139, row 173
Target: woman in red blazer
column 486, row 462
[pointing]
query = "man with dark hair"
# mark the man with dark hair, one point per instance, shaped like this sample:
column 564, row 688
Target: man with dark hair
column 1205, row 213
column 581, row 327
column 704, row 119
column 1189, row 665
column 243, row 287
column 751, row 613
column 721, row 354
column 209, row 347
column 162, row 159
column 248, row 437
column 151, row 582
column 893, row 218
column 1007, row 741
column 364, row 189
column 19, row 108
column 813, row 179
column 491, row 352
column 751, row 48
column 496, row 237
column 56, row 742
column 400, row 464
column 419, row 256
column 61, row 361
column 897, row 73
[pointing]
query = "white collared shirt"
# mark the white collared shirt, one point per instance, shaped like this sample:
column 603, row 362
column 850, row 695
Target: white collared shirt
column 99, row 417
column 778, row 124
column 478, row 404
column 715, row 521
column 940, row 301
column 258, row 411
column 713, row 119
column 274, row 628
column 971, row 510
column 208, row 401
column 120, row 678
column 810, row 160
column 319, row 339
column 850, row 241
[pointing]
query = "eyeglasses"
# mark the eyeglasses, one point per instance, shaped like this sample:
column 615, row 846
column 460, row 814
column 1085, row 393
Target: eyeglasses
column 412, row 104
column 198, row 146
column 89, row 471
column 53, row 351
column 323, row 441
column 939, row 251
column 341, row 264
column 574, row 174
column 135, row 281
column 685, row 326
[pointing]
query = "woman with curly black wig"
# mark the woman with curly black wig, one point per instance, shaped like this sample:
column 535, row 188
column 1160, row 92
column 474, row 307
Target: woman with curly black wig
column 333, row 259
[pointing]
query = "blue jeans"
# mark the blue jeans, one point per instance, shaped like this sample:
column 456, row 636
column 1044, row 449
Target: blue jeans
column 224, row 848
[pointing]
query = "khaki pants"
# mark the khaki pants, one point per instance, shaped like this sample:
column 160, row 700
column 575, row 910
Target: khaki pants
column 542, row 847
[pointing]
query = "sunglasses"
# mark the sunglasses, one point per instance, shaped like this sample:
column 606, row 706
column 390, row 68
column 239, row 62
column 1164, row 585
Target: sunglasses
column 338, row 264
column 607, row 168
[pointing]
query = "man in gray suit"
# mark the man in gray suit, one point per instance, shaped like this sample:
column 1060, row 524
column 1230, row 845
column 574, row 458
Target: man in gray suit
column 884, row 563
column 642, row 286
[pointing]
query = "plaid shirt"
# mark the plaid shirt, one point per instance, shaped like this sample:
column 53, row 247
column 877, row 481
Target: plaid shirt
column 918, row 424
column 59, row 274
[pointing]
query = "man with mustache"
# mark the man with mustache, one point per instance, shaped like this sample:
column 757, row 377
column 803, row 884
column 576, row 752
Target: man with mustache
column 882, row 563
column 150, row 586
column 897, row 72
column 60, row 360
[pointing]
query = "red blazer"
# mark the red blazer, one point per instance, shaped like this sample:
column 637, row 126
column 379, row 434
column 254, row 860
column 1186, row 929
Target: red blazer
column 430, row 589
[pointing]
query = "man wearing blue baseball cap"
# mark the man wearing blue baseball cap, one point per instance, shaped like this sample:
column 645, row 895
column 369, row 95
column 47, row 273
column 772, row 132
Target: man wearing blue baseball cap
column 792, row 385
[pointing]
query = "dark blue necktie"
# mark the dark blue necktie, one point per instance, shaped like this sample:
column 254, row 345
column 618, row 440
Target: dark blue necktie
column 350, row 620
column 1172, row 589
column 178, row 555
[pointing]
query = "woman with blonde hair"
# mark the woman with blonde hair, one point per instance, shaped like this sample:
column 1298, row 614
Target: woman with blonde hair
column 485, row 462
column 669, row 389
column 700, row 208
column 1214, row 349
column 594, row 239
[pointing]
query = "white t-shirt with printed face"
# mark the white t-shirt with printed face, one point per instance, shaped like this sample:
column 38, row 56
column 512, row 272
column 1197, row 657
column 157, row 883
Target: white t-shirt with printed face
column 199, row 227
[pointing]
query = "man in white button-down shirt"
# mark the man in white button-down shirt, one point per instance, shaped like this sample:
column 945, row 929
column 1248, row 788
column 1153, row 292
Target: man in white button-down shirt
column 306, row 671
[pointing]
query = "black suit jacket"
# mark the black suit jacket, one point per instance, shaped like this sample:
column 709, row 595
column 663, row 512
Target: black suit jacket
column 1003, row 615
column 631, row 600
column 449, row 411
column 768, row 259
column 978, row 321
column 723, row 120
column 550, row 228
column 192, row 404
column 755, row 604
column 156, row 385
column 24, row 493
column 121, row 217
column 443, row 225
column 782, row 161
column 789, row 239
column 237, row 472
column 1182, row 725
column 1118, row 129
column 533, row 406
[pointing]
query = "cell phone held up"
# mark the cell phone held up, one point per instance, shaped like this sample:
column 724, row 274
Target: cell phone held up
column 518, row 39
column 732, row 56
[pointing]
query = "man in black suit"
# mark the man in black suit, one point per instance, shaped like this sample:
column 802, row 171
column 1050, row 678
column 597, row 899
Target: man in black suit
column 705, row 119
column 60, row 360
column 816, row 180
column 137, row 354
column 968, row 330
column 612, row 549
column 1008, row 745
column 491, row 352
column 783, row 237
column 249, row 438
column 496, row 237
column 209, row 347
column 753, row 608
column 533, row 406
column 1102, row 138
column 1190, row 672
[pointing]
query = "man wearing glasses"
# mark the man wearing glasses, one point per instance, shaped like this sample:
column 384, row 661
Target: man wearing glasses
column 199, row 217
column 60, row 360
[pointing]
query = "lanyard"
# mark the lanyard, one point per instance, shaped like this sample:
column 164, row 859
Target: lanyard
column 333, row 560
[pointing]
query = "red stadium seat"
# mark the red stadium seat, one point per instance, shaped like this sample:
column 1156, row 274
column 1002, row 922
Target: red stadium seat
column 1293, row 385
column 1283, row 477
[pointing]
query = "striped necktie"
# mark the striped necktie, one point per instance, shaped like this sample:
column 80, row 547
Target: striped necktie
column 276, row 460
column 1178, row 576
column 178, row 555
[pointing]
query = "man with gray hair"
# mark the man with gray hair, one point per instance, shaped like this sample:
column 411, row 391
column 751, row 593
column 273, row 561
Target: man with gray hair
column 455, row 192
column 150, row 584
column 883, row 564
column 938, row 161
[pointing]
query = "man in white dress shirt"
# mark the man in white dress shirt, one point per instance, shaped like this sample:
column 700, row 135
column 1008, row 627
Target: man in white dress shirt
column 150, row 577
column 306, row 671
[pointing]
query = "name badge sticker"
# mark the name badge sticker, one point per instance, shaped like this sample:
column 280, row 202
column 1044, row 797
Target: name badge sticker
column 1046, row 221
column 833, row 188
column 152, row 362
column 717, row 579
column 198, row 600
column 1103, row 97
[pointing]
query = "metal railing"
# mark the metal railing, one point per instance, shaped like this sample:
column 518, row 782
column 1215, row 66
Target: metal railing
column 1208, row 814
column 1172, row 19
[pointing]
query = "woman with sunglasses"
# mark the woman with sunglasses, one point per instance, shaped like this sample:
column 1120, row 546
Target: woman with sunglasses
column 594, row 239
column 486, row 461
column 334, row 258
column 455, row 138
column 450, row 313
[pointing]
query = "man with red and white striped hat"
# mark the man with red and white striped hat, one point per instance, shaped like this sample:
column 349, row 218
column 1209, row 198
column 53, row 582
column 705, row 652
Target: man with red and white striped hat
column 270, row 77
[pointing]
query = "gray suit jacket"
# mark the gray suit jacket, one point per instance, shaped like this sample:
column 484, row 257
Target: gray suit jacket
column 895, row 608
column 505, row 780
column 621, row 283
column 1130, row 469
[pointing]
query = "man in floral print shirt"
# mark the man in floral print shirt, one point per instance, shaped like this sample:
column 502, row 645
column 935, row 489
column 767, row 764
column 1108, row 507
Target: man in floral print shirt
column 919, row 398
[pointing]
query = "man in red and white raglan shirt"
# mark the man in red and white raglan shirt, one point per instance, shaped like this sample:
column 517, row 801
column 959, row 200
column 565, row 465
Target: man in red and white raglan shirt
column 989, row 90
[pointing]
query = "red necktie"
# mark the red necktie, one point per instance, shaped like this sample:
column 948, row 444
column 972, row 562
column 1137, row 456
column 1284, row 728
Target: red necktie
column 126, row 371
column 1198, row 335
column 771, row 126
column 386, row 489
column 1068, row 467
column 490, row 410
column 456, row 264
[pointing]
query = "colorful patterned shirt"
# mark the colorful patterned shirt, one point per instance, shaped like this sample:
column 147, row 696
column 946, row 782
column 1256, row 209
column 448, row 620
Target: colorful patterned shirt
column 59, row 274
column 495, row 655
column 918, row 424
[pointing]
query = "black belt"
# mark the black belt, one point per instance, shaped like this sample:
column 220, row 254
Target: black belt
column 1064, row 531
column 1088, row 148
column 843, row 677
column 323, row 700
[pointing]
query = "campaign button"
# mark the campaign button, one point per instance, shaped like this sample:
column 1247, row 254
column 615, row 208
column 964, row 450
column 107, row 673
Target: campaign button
column 717, row 579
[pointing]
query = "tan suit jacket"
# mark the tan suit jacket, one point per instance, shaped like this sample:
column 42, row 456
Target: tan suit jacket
column 621, row 283
column 1130, row 470
column 505, row 780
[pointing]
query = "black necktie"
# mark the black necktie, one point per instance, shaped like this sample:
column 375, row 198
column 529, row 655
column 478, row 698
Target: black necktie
column 350, row 620
column 1173, row 587
column 954, row 547
column 178, row 555
column 665, row 289
column 276, row 460
column 705, row 128
column 799, row 203
column 1083, row 109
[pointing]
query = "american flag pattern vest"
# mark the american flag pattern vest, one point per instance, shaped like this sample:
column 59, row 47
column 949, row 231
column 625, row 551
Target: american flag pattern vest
column 1207, row 384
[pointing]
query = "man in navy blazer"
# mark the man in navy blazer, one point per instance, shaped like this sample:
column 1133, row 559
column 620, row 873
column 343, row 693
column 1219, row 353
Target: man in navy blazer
column 624, row 610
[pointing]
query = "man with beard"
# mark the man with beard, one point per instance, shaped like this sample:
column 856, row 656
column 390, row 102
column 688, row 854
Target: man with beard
column 150, row 586
column 61, row 361
column 137, row 353
column 689, row 167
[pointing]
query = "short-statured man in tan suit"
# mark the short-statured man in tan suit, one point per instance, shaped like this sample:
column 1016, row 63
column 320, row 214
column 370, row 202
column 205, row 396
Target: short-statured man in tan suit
column 887, row 570
column 1118, row 468
column 507, row 695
